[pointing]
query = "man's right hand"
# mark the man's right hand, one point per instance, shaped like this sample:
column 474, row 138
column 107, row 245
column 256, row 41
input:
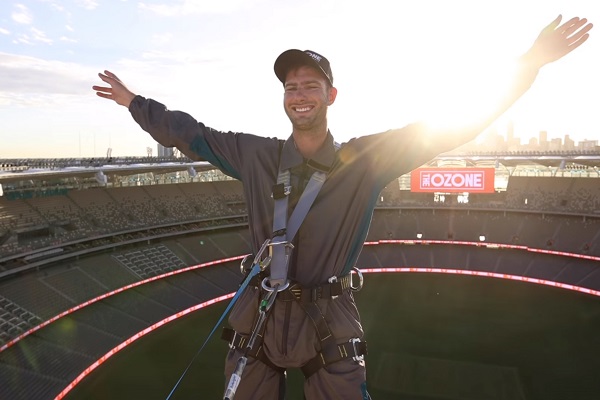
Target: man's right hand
column 117, row 90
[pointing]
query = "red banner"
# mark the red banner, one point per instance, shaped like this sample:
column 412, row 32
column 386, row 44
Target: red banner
column 452, row 180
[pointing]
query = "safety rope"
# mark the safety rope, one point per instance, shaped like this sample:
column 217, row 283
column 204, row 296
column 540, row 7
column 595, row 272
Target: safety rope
column 257, row 266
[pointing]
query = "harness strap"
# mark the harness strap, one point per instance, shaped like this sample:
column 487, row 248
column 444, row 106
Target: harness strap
column 284, row 230
column 331, row 352
column 295, row 291
column 280, row 254
column 354, row 349
column 240, row 341
column 318, row 319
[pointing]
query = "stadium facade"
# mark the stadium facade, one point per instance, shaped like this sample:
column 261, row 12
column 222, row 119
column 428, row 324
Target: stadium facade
column 114, row 246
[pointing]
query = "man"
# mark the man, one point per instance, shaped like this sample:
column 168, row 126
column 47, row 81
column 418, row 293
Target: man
column 331, row 235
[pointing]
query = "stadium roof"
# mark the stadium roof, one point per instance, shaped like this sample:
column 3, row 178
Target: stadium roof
column 12, row 170
column 550, row 159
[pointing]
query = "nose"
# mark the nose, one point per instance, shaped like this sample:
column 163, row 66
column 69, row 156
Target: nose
column 299, row 95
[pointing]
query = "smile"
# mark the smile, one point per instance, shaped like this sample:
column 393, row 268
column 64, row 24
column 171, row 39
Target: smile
column 302, row 109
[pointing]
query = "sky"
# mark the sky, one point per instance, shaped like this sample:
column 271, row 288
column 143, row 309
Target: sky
column 394, row 62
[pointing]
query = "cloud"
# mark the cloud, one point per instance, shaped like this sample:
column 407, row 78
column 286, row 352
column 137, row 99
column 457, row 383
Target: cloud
column 36, row 36
column 191, row 7
column 4, row 31
column 57, row 7
column 23, row 76
column 22, row 15
column 22, row 38
column 162, row 38
column 87, row 4
column 40, row 36
column 175, row 58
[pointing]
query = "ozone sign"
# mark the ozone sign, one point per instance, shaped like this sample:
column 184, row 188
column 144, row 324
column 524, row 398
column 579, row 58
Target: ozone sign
column 452, row 180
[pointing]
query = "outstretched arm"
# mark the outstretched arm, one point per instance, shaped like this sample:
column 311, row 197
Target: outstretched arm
column 553, row 43
column 117, row 90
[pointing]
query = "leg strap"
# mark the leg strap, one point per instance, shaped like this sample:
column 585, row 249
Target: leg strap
column 239, row 341
column 330, row 351
column 355, row 349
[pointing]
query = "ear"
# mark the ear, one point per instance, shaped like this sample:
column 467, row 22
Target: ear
column 332, row 95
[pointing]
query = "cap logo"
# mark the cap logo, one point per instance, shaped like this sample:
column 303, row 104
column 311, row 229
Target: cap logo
column 316, row 57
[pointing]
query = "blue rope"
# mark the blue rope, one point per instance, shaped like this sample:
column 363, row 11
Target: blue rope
column 253, row 272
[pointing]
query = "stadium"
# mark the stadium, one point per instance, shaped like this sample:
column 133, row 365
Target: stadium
column 114, row 270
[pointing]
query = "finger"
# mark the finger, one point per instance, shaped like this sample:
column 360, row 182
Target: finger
column 104, row 95
column 102, row 88
column 573, row 28
column 564, row 27
column 578, row 43
column 111, row 75
column 552, row 26
column 105, row 78
column 582, row 32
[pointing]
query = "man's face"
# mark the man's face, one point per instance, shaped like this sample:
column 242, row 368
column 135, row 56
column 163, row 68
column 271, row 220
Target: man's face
column 306, row 98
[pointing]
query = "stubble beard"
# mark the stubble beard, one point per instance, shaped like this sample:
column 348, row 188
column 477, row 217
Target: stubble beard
column 312, row 126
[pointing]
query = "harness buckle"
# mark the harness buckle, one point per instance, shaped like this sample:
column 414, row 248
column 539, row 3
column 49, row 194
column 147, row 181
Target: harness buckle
column 243, row 267
column 333, row 279
column 357, row 355
column 280, row 191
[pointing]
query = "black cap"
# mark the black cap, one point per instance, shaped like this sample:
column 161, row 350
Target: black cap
column 295, row 58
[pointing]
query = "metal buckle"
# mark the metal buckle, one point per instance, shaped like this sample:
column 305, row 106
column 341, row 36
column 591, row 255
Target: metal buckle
column 360, row 280
column 333, row 279
column 281, row 191
column 243, row 270
column 266, row 285
column 264, row 263
column 233, row 340
column 356, row 357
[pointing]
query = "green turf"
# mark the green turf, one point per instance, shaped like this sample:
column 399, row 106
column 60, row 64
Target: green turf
column 461, row 333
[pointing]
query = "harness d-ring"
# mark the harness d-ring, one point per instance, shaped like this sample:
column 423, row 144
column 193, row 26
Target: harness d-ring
column 268, row 288
column 360, row 280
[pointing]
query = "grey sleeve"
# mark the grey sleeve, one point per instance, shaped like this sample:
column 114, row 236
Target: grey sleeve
column 396, row 152
column 224, row 150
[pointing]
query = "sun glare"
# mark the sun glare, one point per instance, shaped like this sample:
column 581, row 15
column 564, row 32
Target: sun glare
column 467, row 96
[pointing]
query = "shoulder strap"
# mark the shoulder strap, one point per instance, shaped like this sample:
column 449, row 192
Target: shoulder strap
column 284, row 231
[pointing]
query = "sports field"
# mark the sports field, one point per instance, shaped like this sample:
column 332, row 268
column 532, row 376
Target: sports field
column 431, row 337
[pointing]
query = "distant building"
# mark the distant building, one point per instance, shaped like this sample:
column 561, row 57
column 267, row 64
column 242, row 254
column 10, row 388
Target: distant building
column 543, row 142
column 163, row 151
column 533, row 143
column 568, row 144
column 555, row 144
column 512, row 143
column 588, row 144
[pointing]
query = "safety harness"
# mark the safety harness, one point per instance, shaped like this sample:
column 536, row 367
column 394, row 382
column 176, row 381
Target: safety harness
column 277, row 285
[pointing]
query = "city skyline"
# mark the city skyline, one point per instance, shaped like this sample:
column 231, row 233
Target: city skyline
column 508, row 140
column 394, row 63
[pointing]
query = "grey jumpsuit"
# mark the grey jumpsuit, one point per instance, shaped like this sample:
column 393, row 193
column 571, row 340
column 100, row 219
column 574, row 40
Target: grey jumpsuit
column 328, row 243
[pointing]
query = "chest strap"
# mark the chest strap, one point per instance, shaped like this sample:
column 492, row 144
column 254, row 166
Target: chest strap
column 284, row 231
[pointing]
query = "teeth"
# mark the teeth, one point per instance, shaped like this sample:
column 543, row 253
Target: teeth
column 302, row 109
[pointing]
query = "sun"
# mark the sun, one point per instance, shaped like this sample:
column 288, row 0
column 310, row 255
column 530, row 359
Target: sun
column 470, row 96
